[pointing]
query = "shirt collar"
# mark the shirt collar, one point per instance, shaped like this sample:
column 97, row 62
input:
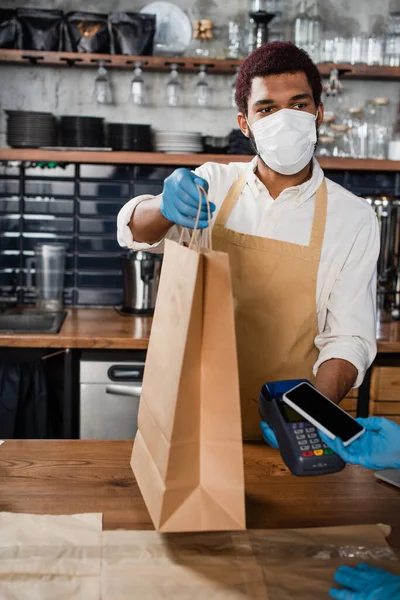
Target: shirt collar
column 302, row 192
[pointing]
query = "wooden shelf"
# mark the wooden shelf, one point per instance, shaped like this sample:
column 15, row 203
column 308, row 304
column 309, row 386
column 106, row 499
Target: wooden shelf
column 150, row 63
column 186, row 160
column 186, row 64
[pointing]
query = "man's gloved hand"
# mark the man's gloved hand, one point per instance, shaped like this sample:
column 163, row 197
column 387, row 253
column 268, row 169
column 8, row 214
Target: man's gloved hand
column 377, row 448
column 366, row 583
column 180, row 199
column 268, row 435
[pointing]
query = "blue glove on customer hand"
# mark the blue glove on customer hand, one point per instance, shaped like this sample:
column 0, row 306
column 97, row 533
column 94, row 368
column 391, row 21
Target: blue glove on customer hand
column 268, row 435
column 180, row 199
column 366, row 583
column 377, row 448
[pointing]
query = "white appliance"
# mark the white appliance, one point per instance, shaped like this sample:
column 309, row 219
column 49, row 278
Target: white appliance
column 109, row 399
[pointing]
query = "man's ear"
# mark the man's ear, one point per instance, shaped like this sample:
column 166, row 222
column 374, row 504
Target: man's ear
column 243, row 124
column 320, row 114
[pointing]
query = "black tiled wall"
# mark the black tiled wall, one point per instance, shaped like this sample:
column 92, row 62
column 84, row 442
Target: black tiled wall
column 77, row 205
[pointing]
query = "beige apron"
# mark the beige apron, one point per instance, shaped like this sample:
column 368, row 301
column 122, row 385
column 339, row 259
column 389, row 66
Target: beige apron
column 274, row 287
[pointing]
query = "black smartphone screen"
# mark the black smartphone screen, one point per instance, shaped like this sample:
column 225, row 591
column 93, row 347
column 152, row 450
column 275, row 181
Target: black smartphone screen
column 325, row 412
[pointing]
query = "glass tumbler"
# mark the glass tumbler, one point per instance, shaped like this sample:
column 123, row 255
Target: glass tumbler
column 49, row 263
column 379, row 128
column 234, row 40
column 359, row 50
column 376, row 50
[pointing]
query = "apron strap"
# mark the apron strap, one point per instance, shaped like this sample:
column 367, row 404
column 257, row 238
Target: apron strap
column 319, row 221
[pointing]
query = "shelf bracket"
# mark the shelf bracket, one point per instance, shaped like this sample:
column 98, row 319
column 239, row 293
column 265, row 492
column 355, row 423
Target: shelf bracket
column 34, row 60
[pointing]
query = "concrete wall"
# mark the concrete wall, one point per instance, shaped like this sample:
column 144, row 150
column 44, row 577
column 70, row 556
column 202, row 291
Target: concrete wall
column 67, row 91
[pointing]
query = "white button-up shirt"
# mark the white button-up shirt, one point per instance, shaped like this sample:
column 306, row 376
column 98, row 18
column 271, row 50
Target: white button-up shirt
column 346, row 284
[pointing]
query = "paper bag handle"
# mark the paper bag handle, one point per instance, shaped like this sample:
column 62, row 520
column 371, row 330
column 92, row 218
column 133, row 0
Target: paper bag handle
column 197, row 235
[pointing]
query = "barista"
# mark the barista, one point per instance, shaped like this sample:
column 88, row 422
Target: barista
column 302, row 249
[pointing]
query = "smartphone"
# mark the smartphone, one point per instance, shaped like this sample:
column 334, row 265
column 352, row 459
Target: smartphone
column 323, row 413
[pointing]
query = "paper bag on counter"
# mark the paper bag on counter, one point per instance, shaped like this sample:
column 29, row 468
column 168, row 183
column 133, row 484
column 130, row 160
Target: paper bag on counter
column 187, row 455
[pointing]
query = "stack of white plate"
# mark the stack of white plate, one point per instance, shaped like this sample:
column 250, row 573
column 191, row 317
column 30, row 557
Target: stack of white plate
column 178, row 142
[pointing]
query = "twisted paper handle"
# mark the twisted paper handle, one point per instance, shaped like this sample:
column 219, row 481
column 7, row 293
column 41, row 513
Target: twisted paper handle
column 199, row 237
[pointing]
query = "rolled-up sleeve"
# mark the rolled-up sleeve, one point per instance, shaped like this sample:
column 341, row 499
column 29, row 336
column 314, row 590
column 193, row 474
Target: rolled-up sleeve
column 124, row 234
column 350, row 329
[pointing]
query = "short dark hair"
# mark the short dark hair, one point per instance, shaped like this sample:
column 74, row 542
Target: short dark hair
column 275, row 58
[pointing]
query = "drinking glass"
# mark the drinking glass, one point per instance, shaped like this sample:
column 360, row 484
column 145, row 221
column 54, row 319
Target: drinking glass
column 325, row 146
column 173, row 89
column 202, row 89
column 379, row 128
column 138, row 86
column 392, row 50
column 359, row 50
column 341, row 144
column 102, row 86
column 234, row 40
column 327, row 51
column 358, row 132
column 49, row 261
column 376, row 50
column 342, row 50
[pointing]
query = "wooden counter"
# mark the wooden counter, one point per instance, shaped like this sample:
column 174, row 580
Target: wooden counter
column 98, row 328
column 89, row 328
column 65, row 477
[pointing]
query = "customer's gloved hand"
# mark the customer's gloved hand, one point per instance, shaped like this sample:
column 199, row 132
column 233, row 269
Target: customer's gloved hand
column 180, row 199
column 366, row 583
column 377, row 448
column 268, row 435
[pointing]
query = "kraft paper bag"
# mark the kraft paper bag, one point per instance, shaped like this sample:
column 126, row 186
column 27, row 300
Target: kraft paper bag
column 187, row 456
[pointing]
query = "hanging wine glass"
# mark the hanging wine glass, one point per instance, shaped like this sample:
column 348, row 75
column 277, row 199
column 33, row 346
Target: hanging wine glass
column 173, row 89
column 102, row 85
column 138, row 86
column 202, row 89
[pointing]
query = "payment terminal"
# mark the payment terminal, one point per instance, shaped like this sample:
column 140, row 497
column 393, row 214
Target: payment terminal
column 301, row 448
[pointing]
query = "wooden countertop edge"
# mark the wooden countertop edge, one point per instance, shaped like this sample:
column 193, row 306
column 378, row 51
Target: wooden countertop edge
column 81, row 328
column 122, row 343
column 51, row 341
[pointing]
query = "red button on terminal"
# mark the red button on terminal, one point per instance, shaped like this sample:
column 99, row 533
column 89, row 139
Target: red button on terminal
column 308, row 453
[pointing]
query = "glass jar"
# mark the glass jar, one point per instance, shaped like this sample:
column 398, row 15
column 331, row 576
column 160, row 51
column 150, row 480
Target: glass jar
column 357, row 132
column 341, row 143
column 379, row 128
column 325, row 146
column 202, row 36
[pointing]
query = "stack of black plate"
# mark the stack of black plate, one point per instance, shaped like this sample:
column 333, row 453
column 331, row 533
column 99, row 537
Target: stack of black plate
column 31, row 129
column 82, row 132
column 129, row 136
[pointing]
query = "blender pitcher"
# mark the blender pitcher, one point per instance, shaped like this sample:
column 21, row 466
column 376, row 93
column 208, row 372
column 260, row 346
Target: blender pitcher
column 49, row 260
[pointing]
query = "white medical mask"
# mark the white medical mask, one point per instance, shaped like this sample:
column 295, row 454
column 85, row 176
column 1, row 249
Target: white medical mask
column 286, row 140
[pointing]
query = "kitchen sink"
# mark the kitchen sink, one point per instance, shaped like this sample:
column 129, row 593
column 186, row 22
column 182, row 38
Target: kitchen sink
column 28, row 320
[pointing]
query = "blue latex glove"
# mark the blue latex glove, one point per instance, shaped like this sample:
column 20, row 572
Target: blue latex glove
column 180, row 199
column 366, row 583
column 377, row 448
column 268, row 435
